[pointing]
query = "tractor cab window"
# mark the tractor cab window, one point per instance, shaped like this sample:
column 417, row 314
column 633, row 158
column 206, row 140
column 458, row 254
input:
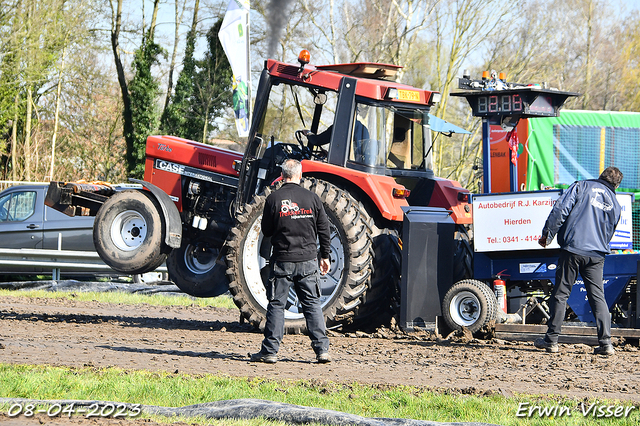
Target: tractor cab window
column 368, row 135
column 409, row 139
column 390, row 137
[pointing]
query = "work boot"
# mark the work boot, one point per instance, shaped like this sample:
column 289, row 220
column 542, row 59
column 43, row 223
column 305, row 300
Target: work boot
column 323, row 358
column 266, row 358
column 604, row 350
column 542, row 343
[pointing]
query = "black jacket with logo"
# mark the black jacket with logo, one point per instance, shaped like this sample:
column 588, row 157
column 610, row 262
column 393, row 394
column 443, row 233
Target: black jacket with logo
column 293, row 217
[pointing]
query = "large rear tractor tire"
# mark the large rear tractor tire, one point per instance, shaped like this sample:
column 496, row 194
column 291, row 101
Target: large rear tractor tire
column 470, row 304
column 128, row 233
column 463, row 255
column 193, row 268
column 342, row 288
column 378, row 302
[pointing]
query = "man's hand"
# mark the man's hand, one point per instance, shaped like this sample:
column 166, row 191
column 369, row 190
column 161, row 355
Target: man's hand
column 325, row 264
column 543, row 241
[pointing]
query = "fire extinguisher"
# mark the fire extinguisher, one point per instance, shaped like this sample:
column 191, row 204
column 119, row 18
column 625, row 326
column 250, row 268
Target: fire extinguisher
column 500, row 290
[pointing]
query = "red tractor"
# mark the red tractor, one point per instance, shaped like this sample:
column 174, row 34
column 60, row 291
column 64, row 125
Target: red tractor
column 365, row 146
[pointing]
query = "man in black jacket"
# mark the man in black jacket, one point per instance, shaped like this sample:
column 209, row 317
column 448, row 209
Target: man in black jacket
column 294, row 218
column 585, row 218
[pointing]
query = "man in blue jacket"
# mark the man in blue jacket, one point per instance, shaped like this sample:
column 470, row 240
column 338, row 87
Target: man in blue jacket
column 295, row 219
column 584, row 217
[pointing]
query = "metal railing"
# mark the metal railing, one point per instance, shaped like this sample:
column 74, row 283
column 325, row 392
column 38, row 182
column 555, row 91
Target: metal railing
column 57, row 260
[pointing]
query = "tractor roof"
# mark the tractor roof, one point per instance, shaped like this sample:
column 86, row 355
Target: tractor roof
column 372, row 79
column 364, row 69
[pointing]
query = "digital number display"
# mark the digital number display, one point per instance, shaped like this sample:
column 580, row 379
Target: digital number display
column 499, row 104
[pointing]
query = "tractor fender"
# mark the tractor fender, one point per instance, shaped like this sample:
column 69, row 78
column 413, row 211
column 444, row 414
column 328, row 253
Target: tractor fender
column 377, row 188
column 170, row 213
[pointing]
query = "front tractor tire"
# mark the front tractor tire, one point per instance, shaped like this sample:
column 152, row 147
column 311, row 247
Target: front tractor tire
column 193, row 268
column 341, row 289
column 471, row 304
column 128, row 232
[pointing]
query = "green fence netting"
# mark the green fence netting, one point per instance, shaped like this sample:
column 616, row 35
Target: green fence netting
column 579, row 145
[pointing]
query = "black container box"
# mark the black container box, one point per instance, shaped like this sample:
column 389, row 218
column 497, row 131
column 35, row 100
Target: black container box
column 427, row 265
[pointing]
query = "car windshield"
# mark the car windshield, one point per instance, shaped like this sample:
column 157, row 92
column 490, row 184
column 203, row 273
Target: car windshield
column 392, row 137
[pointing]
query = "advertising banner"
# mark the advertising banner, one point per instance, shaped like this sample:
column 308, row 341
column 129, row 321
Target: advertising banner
column 501, row 158
column 234, row 37
column 623, row 237
column 514, row 221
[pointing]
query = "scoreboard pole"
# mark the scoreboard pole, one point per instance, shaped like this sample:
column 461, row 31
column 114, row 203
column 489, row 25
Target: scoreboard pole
column 513, row 170
column 486, row 155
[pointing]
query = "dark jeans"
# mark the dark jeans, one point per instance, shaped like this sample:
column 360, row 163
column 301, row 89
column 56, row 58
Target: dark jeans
column 303, row 276
column 590, row 268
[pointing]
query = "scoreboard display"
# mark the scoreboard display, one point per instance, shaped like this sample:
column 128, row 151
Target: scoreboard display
column 519, row 101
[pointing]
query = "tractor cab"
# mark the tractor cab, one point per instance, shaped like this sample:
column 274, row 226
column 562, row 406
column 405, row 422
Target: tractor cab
column 352, row 116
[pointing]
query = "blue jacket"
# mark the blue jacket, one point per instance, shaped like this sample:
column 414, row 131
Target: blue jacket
column 584, row 217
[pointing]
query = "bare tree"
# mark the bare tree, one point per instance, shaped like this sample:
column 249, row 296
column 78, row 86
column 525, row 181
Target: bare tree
column 374, row 30
column 116, row 28
column 55, row 120
column 179, row 13
column 629, row 45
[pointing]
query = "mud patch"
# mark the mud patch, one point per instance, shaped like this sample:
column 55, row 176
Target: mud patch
column 197, row 340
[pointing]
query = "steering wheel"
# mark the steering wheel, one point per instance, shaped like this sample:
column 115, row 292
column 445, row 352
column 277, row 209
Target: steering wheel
column 299, row 134
column 306, row 152
column 319, row 154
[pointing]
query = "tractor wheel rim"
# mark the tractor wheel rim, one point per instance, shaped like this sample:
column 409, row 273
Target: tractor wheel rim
column 194, row 264
column 253, row 263
column 465, row 308
column 128, row 230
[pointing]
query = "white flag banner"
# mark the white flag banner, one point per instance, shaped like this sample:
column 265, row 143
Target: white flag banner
column 234, row 37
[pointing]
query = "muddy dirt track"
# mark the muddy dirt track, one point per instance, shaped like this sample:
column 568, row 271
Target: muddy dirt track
column 211, row 340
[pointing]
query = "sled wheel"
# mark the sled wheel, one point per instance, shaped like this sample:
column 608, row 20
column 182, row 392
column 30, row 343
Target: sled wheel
column 470, row 304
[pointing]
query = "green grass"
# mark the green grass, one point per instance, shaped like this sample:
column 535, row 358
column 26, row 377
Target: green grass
column 172, row 390
column 177, row 390
column 118, row 297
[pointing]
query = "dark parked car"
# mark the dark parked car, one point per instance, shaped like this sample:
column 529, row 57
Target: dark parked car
column 26, row 223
